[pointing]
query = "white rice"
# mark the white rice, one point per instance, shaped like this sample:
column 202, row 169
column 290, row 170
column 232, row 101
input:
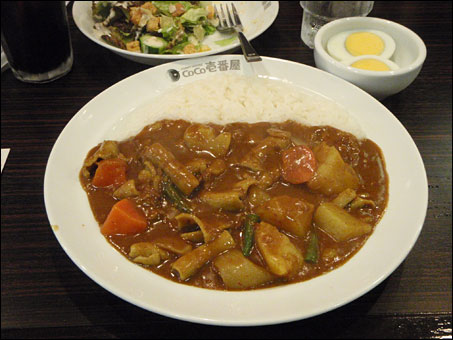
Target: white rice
column 231, row 98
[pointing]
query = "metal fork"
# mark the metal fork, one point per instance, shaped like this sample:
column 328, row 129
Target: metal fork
column 227, row 24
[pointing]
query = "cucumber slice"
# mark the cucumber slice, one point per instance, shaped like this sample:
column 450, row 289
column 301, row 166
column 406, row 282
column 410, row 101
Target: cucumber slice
column 151, row 44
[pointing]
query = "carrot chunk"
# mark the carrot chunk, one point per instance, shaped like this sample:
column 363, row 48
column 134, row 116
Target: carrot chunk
column 298, row 164
column 124, row 218
column 110, row 171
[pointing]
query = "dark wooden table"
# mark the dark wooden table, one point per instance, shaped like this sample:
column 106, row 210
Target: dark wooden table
column 44, row 295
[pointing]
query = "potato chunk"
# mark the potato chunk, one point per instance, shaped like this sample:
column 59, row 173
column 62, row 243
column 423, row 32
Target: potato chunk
column 333, row 175
column 238, row 272
column 338, row 223
column 288, row 213
column 202, row 137
column 282, row 257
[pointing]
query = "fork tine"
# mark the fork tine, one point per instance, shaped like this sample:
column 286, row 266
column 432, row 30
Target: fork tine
column 222, row 20
column 236, row 25
column 236, row 15
column 225, row 22
column 229, row 16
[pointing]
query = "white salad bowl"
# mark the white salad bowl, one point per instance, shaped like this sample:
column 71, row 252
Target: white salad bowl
column 256, row 16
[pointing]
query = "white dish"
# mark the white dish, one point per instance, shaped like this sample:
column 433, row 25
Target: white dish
column 256, row 17
column 409, row 55
column 102, row 118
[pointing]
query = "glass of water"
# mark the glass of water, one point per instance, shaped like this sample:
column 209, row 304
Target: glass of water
column 318, row 13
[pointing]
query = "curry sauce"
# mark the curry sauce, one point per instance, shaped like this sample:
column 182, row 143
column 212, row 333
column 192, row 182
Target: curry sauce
column 221, row 174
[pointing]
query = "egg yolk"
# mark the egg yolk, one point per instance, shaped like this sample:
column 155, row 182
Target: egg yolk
column 371, row 65
column 361, row 43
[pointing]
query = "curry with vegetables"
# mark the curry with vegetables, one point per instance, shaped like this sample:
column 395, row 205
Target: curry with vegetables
column 240, row 206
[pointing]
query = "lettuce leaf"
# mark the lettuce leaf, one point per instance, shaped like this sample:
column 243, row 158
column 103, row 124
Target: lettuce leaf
column 209, row 29
column 101, row 10
column 163, row 6
column 194, row 16
column 177, row 49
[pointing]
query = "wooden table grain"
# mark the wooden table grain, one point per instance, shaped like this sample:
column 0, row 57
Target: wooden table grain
column 44, row 295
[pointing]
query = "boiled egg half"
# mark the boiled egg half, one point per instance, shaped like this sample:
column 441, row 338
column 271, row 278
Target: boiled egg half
column 371, row 63
column 348, row 44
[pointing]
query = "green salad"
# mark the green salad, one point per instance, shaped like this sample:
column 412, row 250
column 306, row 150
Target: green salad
column 155, row 27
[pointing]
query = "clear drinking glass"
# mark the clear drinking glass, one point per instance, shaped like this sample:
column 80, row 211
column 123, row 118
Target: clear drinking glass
column 36, row 40
column 318, row 13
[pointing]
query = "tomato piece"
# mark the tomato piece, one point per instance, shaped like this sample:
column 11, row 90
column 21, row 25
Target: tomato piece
column 298, row 164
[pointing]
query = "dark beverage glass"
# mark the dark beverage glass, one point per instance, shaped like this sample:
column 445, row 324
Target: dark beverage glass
column 36, row 40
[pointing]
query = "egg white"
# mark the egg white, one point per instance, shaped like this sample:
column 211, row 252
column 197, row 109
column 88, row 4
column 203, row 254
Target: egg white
column 389, row 63
column 336, row 46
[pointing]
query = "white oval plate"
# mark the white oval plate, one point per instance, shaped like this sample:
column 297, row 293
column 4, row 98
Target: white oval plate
column 256, row 17
column 108, row 116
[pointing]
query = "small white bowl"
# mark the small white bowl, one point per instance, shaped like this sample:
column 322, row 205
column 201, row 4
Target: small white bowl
column 409, row 55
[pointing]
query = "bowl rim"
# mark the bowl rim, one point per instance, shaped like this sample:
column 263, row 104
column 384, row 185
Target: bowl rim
column 381, row 74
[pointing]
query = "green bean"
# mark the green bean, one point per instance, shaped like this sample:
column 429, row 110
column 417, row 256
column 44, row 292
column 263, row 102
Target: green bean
column 312, row 253
column 174, row 196
column 247, row 233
